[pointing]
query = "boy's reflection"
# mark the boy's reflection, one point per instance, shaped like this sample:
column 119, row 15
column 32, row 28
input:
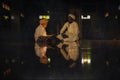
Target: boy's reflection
column 41, row 49
column 70, row 51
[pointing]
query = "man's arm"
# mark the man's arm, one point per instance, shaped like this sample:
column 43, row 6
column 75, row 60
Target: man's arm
column 63, row 28
column 74, row 35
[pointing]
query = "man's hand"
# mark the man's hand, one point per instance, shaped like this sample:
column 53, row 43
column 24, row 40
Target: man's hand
column 48, row 36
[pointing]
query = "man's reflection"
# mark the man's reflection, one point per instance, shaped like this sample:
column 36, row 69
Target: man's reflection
column 40, row 50
column 70, row 51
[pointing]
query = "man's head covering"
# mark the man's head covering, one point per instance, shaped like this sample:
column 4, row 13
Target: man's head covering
column 72, row 16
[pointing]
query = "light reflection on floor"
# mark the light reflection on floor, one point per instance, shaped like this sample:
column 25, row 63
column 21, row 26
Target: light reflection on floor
column 97, row 60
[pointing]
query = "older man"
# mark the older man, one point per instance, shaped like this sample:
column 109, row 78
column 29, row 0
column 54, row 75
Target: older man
column 70, row 30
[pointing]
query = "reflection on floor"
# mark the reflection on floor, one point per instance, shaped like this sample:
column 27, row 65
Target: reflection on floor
column 84, row 60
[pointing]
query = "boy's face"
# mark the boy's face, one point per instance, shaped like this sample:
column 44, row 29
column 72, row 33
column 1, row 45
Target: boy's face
column 44, row 22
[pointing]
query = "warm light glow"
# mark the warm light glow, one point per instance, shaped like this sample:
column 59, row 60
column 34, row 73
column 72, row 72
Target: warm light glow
column 107, row 14
column 6, row 17
column 49, row 60
column 86, row 56
column 5, row 6
column 89, row 61
column 47, row 17
column 85, row 17
column 85, row 60
column 44, row 16
column 21, row 14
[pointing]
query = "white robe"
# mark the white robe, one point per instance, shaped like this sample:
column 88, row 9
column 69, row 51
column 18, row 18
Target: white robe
column 72, row 31
column 40, row 51
column 39, row 31
column 72, row 50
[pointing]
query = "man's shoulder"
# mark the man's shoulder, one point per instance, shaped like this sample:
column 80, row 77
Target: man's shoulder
column 74, row 22
column 66, row 22
column 39, row 27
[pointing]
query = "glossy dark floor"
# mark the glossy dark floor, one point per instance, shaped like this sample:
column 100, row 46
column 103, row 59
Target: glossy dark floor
column 83, row 60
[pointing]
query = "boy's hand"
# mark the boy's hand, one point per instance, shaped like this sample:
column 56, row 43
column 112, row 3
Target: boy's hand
column 49, row 36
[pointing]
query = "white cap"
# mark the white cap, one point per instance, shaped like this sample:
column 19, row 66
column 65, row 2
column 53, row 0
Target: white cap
column 72, row 16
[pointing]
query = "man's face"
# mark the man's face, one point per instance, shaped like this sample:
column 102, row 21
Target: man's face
column 70, row 20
